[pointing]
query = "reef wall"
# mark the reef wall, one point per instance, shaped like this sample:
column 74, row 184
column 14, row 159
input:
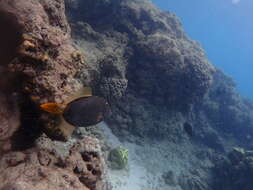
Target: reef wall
column 159, row 82
column 38, row 65
column 142, row 58
column 38, row 58
column 45, row 167
column 154, row 76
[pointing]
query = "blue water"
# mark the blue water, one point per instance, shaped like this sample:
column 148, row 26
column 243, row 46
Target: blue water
column 224, row 28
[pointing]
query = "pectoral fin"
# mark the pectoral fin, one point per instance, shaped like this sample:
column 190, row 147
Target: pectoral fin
column 53, row 108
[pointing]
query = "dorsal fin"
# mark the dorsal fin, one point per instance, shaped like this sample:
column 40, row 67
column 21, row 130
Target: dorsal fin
column 82, row 92
column 53, row 108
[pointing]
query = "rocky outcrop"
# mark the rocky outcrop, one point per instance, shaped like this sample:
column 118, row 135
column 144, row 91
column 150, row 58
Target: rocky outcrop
column 158, row 81
column 45, row 53
column 143, row 39
column 38, row 65
column 224, row 118
column 154, row 76
column 235, row 171
column 142, row 60
column 9, row 119
column 192, row 183
column 39, row 61
column 138, row 58
column 46, row 167
column 227, row 111
column 10, row 36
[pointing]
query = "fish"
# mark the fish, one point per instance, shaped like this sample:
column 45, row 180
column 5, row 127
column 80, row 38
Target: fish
column 81, row 110
column 188, row 129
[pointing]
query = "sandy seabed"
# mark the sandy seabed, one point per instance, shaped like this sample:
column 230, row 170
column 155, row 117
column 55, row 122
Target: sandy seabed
column 147, row 163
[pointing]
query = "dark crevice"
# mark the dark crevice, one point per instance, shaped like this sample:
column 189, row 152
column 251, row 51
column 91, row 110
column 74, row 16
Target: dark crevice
column 10, row 36
column 86, row 157
column 10, row 41
column 89, row 167
column 31, row 126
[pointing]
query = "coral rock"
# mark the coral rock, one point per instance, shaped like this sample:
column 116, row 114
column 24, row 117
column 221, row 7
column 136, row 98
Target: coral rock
column 43, row 169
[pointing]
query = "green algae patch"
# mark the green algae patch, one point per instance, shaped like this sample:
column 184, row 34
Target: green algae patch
column 118, row 158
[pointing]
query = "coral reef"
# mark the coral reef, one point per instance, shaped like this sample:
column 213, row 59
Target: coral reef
column 40, row 63
column 44, row 168
column 142, row 61
column 159, row 84
column 227, row 111
column 235, row 171
column 40, row 54
column 157, row 80
column 224, row 118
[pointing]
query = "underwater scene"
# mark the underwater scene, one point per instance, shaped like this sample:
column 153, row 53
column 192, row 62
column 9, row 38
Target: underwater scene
column 126, row 95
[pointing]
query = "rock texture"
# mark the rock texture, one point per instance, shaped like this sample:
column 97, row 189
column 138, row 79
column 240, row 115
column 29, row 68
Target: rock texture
column 155, row 78
column 39, row 64
column 235, row 171
column 142, row 60
column 137, row 57
column 158, row 81
column 227, row 111
column 224, row 118
column 43, row 168
column 40, row 56
column 45, row 54
column 9, row 118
